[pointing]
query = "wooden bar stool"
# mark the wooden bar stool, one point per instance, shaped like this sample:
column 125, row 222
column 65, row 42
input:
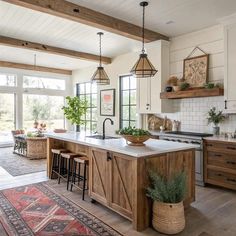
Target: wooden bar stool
column 65, row 163
column 56, row 155
column 76, row 166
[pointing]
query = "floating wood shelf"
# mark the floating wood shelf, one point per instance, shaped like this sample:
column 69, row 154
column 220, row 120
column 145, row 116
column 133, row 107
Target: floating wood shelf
column 193, row 93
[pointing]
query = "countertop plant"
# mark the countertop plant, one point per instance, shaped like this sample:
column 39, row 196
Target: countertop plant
column 132, row 131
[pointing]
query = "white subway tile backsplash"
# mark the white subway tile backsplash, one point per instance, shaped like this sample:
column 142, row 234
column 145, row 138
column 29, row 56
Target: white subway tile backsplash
column 193, row 112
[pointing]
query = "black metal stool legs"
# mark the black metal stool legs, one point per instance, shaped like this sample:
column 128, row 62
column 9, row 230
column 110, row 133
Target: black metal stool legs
column 84, row 180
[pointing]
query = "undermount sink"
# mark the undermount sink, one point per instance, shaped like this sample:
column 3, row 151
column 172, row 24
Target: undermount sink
column 98, row 136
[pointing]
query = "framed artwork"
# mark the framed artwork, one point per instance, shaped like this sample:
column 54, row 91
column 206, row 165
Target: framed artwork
column 196, row 70
column 107, row 102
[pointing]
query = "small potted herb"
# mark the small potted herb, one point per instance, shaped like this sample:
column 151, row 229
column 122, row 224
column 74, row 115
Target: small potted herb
column 134, row 136
column 168, row 195
column 215, row 117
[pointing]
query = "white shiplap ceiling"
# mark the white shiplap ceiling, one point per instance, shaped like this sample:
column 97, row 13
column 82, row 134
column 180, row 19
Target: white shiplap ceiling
column 22, row 23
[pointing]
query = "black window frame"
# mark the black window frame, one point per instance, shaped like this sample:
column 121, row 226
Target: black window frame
column 121, row 105
column 90, row 107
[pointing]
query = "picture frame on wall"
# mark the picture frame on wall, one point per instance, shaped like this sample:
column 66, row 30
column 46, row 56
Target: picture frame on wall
column 107, row 102
column 196, row 70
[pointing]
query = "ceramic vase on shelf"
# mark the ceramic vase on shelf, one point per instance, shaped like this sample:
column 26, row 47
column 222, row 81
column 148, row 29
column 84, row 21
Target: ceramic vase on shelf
column 216, row 130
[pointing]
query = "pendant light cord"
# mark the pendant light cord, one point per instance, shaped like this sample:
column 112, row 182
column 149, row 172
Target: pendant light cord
column 143, row 51
column 100, row 48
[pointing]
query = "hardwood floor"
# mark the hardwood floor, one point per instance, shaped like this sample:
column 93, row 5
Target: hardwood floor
column 212, row 214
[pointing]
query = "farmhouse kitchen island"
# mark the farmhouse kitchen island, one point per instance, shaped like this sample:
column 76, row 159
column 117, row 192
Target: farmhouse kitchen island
column 118, row 173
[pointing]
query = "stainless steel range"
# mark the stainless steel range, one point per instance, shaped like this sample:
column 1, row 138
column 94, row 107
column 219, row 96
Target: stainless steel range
column 194, row 139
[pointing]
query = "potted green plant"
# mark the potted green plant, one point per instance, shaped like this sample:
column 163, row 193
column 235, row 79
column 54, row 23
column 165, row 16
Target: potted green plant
column 75, row 109
column 215, row 117
column 134, row 136
column 168, row 195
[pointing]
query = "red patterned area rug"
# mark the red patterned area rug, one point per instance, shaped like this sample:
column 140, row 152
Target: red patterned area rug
column 38, row 210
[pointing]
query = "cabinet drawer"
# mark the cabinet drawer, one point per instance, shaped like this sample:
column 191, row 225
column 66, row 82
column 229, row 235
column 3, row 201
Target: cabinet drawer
column 221, row 160
column 223, row 147
column 221, row 178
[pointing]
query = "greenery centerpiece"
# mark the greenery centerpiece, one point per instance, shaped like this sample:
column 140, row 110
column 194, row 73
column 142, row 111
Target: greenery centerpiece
column 168, row 195
column 215, row 117
column 134, row 136
column 75, row 109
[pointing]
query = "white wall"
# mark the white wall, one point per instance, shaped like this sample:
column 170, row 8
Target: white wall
column 192, row 112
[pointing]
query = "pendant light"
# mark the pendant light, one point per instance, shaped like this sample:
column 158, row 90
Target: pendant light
column 143, row 67
column 100, row 76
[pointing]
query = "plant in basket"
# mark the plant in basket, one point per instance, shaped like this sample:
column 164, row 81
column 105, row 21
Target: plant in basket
column 134, row 136
column 168, row 195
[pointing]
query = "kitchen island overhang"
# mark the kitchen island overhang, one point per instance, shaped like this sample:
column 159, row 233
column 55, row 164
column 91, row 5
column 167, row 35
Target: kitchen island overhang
column 120, row 181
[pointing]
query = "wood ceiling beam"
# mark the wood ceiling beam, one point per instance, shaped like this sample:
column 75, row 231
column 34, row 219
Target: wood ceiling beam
column 89, row 17
column 12, row 42
column 34, row 68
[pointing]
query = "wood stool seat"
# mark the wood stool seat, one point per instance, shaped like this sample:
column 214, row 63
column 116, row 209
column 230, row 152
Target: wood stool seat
column 58, row 151
column 56, row 155
column 65, row 166
column 84, row 160
column 69, row 155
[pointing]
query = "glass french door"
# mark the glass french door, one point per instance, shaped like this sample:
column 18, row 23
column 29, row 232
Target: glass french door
column 7, row 118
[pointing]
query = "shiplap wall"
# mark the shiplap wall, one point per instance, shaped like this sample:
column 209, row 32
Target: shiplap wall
column 210, row 41
column 192, row 112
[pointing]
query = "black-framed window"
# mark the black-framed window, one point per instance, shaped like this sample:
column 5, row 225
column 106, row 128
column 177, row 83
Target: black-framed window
column 128, row 110
column 88, row 91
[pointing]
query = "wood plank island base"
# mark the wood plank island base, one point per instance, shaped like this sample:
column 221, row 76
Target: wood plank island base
column 118, row 174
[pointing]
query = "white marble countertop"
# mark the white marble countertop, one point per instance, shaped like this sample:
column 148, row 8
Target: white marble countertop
column 152, row 147
column 221, row 139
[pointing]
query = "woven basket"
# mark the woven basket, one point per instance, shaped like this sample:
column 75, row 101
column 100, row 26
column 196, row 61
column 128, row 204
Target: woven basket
column 168, row 218
column 136, row 140
column 37, row 148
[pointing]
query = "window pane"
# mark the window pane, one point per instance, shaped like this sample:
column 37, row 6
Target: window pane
column 44, row 83
column 133, row 123
column 94, row 114
column 128, row 101
column 88, row 88
column 133, row 113
column 94, row 88
column 133, row 97
column 88, row 99
column 125, row 82
column 133, row 83
column 94, row 126
column 125, row 124
column 90, row 94
column 88, row 123
column 88, row 114
column 7, row 118
column 81, row 88
column 94, row 100
column 125, row 112
column 125, row 98
column 43, row 109
column 7, row 80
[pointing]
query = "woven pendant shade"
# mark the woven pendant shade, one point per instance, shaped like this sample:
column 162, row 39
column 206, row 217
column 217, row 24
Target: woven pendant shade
column 100, row 76
column 143, row 67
